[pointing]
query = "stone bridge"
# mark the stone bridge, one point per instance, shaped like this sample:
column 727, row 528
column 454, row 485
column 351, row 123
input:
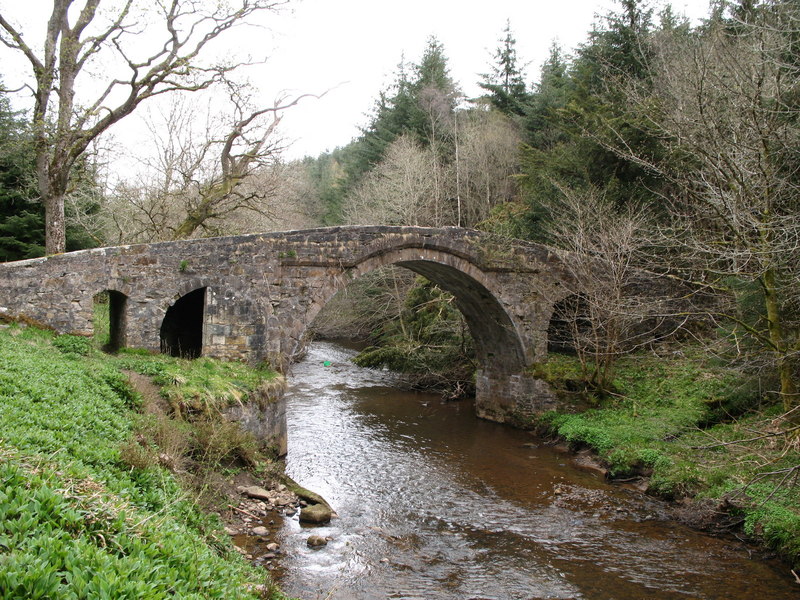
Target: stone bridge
column 252, row 297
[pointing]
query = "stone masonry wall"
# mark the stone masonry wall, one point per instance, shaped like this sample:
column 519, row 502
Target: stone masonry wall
column 263, row 290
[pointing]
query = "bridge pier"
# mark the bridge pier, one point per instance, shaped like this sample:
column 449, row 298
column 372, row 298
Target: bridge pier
column 511, row 397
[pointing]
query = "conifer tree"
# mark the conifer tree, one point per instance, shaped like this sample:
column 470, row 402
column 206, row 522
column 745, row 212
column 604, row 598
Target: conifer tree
column 578, row 111
column 22, row 214
column 21, row 217
column 434, row 95
column 506, row 80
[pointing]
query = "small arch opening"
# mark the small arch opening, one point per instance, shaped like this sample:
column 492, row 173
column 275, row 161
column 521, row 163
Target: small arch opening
column 569, row 325
column 109, row 320
column 182, row 327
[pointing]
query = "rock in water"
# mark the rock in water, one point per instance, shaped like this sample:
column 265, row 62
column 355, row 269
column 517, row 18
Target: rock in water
column 260, row 531
column 316, row 541
column 316, row 513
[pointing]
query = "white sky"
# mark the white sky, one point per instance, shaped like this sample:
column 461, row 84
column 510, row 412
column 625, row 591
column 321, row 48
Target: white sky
column 352, row 47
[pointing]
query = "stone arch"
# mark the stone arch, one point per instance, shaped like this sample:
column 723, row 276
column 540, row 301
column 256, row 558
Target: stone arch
column 570, row 318
column 113, row 304
column 181, row 331
column 498, row 341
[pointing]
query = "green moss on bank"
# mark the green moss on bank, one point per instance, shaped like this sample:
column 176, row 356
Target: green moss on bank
column 75, row 520
column 688, row 423
column 202, row 385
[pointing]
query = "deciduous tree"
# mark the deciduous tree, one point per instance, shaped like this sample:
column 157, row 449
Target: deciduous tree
column 95, row 67
column 208, row 175
column 725, row 103
column 609, row 314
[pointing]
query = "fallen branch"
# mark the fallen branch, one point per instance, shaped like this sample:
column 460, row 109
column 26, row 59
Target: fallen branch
column 786, row 475
column 760, row 437
column 244, row 512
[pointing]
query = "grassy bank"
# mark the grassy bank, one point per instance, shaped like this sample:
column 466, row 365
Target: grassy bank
column 76, row 519
column 696, row 430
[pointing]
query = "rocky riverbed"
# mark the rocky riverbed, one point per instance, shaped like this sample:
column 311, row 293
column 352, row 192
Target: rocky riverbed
column 254, row 521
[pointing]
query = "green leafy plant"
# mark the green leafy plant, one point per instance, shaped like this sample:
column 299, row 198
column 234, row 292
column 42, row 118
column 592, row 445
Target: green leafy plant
column 73, row 344
column 76, row 521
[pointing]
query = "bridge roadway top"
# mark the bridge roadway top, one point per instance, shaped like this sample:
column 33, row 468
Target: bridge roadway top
column 347, row 245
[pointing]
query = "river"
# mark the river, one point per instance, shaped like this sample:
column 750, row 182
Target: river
column 434, row 503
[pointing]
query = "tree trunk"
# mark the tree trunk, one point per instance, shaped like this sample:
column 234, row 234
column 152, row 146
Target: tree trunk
column 789, row 393
column 188, row 226
column 51, row 195
column 55, row 228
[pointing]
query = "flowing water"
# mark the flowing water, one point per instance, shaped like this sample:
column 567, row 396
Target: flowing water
column 436, row 504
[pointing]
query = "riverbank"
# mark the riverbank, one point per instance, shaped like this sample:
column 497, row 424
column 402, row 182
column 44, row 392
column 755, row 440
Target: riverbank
column 683, row 426
column 98, row 479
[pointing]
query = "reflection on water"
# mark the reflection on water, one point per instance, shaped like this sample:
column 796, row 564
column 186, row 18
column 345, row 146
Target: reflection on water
column 434, row 503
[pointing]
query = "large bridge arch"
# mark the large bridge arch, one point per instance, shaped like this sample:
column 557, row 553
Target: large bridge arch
column 499, row 341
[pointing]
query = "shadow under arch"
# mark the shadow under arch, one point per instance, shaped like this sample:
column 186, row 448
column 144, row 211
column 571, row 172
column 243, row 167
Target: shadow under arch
column 497, row 342
column 181, row 330
column 110, row 312
column 570, row 319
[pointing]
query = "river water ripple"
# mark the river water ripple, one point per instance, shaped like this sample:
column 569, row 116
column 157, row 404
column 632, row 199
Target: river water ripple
column 436, row 504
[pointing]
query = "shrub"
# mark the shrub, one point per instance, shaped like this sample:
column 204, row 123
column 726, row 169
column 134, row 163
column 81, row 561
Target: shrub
column 217, row 441
column 73, row 344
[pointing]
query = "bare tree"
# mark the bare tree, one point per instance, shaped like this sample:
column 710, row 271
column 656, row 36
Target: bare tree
column 415, row 185
column 437, row 106
column 206, row 174
column 400, row 190
column 609, row 313
column 248, row 144
column 81, row 42
column 487, row 160
column 291, row 206
column 364, row 305
column 724, row 105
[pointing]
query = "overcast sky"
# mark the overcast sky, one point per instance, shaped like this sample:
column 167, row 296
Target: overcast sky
column 351, row 48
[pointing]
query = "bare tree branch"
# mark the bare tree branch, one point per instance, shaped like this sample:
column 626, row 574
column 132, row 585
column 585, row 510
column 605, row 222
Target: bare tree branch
column 173, row 66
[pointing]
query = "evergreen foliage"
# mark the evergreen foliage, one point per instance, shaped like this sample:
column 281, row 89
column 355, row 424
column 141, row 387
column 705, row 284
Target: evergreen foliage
column 723, row 191
column 505, row 82
column 21, row 216
column 578, row 113
column 22, row 229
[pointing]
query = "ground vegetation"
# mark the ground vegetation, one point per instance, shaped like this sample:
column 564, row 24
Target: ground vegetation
column 96, row 501
column 685, row 425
